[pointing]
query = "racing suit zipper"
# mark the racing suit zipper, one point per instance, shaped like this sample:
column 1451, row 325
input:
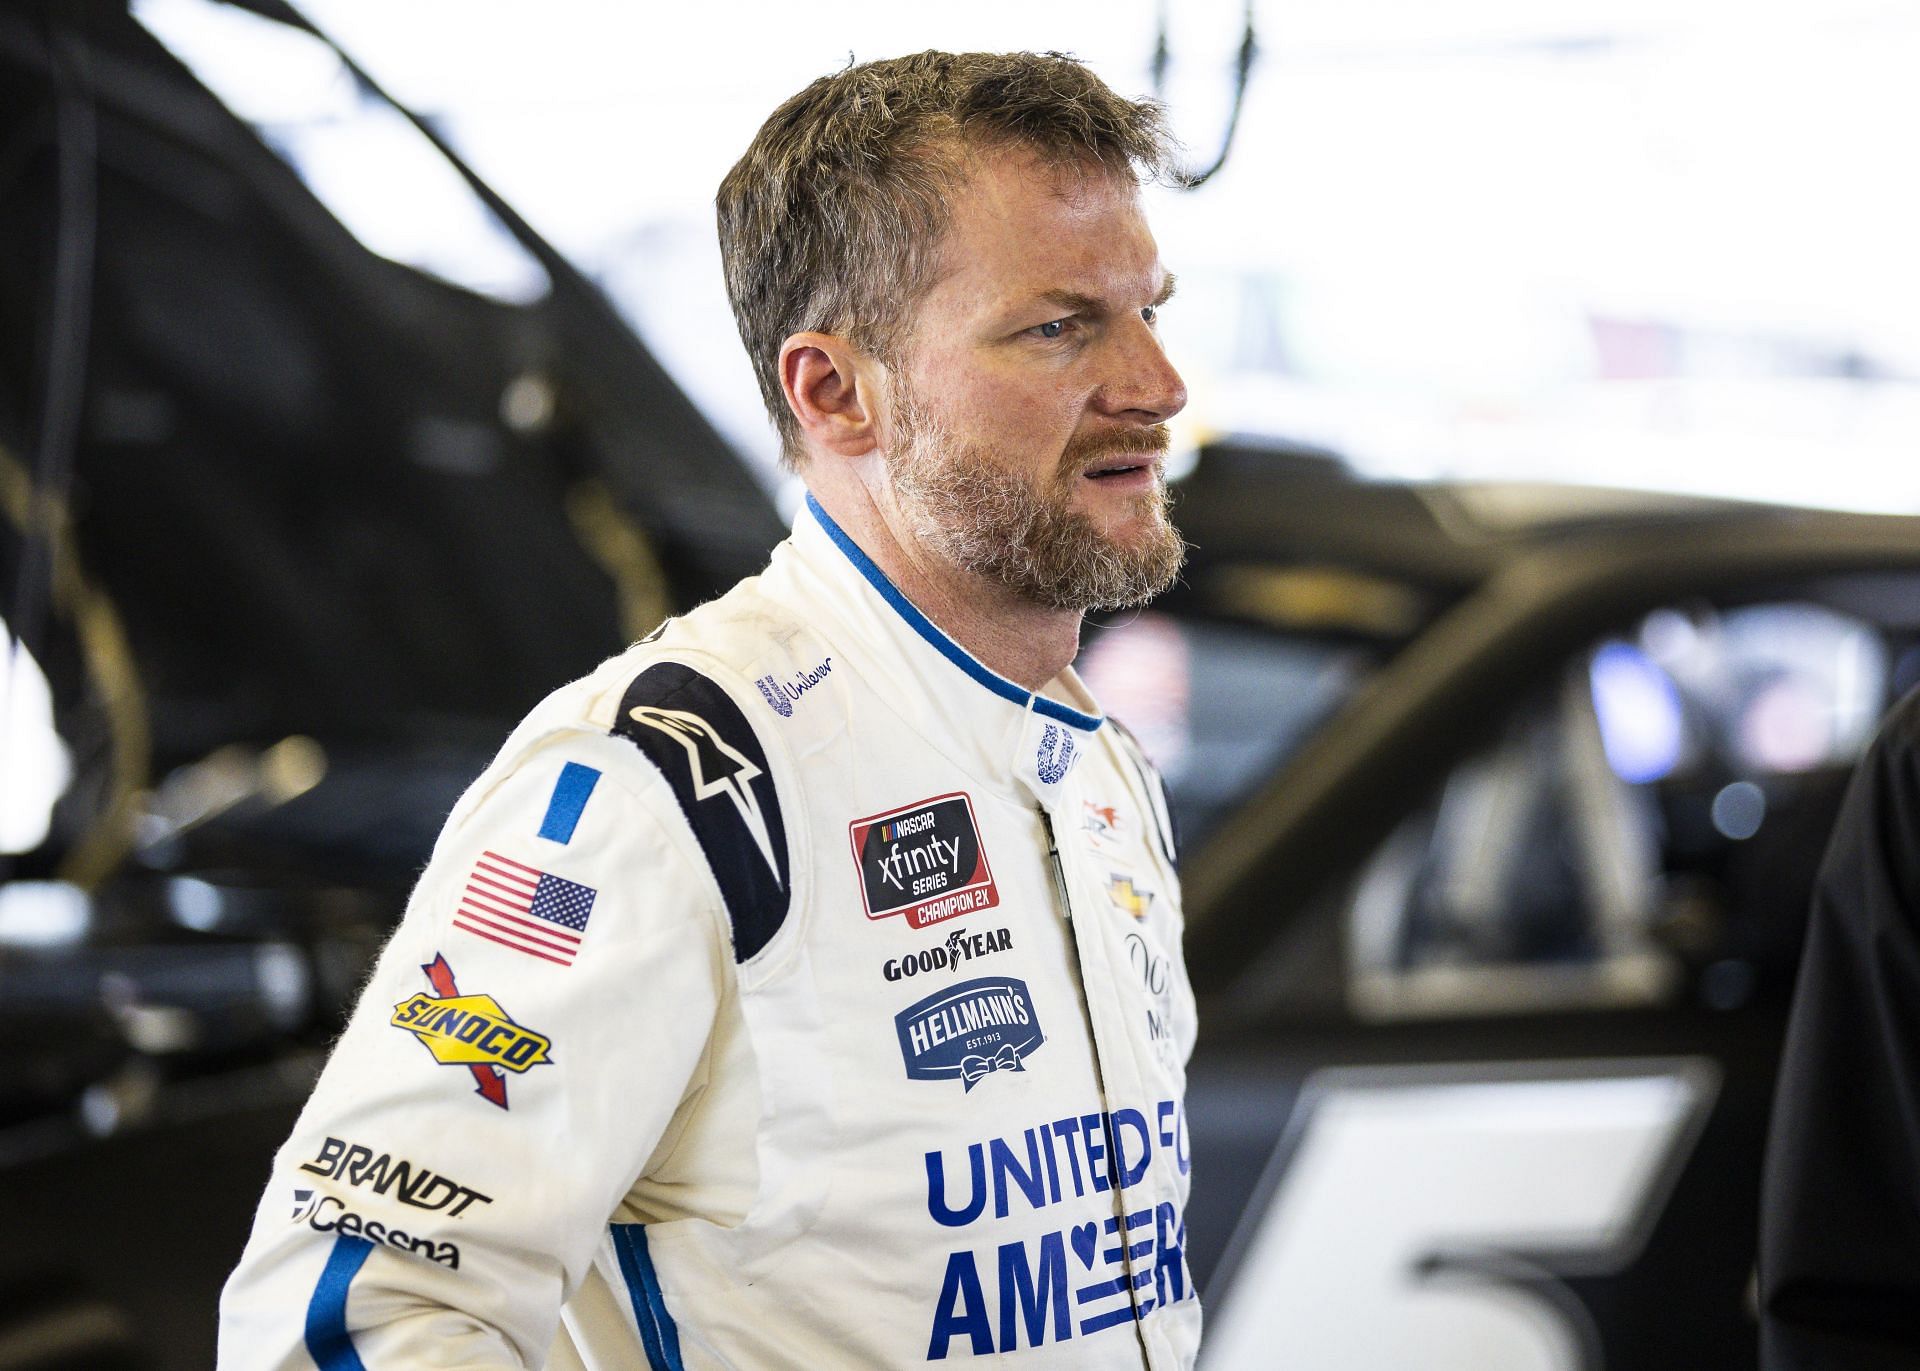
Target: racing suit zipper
column 1059, row 875
column 1060, row 892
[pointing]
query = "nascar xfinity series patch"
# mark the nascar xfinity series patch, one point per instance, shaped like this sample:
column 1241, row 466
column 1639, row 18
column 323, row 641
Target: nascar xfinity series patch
column 471, row 1031
column 924, row 861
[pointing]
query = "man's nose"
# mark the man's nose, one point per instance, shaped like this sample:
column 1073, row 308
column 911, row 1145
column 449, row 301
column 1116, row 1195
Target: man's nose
column 1142, row 383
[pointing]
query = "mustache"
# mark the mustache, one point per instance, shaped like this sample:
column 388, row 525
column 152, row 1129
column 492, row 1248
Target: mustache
column 1083, row 450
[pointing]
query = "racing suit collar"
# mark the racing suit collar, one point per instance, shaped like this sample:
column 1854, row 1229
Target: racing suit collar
column 923, row 670
column 931, row 632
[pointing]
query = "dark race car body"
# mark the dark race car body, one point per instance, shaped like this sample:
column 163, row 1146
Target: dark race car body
column 295, row 533
column 1508, row 803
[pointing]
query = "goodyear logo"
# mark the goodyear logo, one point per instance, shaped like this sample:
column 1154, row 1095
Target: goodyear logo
column 471, row 1031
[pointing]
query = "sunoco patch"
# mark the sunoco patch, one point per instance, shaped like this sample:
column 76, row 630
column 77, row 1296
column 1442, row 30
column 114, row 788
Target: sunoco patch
column 924, row 861
column 471, row 1031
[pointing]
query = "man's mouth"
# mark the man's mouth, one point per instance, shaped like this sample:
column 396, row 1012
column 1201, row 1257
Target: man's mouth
column 1114, row 467
column 1130, row 460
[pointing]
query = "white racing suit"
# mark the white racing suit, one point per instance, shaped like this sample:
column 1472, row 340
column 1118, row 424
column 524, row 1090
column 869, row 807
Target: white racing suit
column 793, row 991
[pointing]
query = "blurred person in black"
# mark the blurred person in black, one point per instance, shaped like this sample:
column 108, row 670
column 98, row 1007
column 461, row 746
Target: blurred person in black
column 1840, row 1218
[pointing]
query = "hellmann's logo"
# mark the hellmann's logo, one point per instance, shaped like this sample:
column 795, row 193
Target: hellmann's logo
column 969, row 1031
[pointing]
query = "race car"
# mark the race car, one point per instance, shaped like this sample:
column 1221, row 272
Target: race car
column 1502, row 807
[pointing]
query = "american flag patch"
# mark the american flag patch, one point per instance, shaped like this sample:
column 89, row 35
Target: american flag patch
column 513, row 904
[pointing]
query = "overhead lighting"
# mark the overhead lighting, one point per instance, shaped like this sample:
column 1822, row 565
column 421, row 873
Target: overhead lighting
column 378, row 174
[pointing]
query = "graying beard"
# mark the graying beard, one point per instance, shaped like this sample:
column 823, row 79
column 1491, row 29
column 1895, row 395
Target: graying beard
column 988, row 522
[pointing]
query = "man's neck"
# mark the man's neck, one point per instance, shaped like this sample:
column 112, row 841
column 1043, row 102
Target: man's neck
column 1027, row 643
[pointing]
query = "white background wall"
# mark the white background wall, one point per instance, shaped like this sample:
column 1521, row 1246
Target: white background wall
column 1636, row 243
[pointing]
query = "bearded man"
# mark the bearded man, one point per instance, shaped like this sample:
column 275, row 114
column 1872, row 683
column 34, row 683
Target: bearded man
column 803, row 988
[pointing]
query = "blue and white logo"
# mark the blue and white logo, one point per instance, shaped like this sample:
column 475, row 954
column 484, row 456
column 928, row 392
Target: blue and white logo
column 1056, row 756
column 782, row 694
column 775, row 697
column 969, row 1031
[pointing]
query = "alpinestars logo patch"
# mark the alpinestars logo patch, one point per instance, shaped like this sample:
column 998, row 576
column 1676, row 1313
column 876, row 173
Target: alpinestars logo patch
column 718, row 767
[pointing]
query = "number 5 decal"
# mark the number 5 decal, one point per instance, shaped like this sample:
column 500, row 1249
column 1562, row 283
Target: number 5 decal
column 1420, row 1217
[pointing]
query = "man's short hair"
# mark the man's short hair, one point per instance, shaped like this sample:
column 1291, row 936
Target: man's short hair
column 832, row 220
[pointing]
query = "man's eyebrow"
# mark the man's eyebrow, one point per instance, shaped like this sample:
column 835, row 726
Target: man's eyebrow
column 1072, row 301
column 1076, row 302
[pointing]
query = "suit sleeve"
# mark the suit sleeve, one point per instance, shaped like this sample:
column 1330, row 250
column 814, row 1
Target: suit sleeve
column 1840, row 1223
column 526, row 1041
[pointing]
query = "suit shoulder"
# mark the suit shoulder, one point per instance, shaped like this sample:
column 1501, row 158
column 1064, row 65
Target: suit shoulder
column 677, row 712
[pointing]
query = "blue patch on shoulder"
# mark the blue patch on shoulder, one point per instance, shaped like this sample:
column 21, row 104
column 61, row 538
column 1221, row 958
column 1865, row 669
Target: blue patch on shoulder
column 570, row 795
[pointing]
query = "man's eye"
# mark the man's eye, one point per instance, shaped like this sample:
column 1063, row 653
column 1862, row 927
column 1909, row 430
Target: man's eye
column 1053, row 328
column 1151, row 313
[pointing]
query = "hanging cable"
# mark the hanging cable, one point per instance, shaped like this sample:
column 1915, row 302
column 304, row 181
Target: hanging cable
column 1162, row 62
column 61, row 382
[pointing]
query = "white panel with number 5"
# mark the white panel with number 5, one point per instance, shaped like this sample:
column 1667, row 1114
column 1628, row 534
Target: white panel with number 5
column 1420, row 1217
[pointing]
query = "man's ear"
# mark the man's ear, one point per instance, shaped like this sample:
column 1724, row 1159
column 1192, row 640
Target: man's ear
column 830, row 386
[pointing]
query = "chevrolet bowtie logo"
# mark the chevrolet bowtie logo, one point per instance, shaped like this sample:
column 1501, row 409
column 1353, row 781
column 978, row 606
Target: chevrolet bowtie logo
column 1125, row 895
